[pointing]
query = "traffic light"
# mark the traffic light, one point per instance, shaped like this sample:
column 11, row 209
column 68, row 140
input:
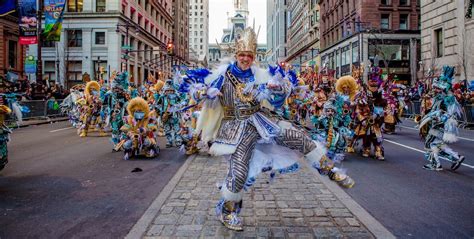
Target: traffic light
column 170, row 48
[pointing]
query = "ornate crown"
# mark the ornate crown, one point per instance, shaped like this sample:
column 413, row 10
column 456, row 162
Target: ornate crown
column 247, row 41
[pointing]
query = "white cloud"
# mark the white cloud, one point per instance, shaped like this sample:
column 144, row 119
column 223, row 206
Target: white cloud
column 218, row 10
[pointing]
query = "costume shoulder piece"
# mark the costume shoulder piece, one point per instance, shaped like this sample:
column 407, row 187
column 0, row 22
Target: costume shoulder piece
column 138, row 104
column 91, row 85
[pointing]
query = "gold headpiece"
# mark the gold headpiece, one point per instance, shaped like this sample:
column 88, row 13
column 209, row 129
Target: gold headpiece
column 247, row 41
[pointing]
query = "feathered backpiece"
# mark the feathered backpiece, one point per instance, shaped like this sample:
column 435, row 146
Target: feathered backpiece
column 121, row 81
column 138, row 104
column 158, row 85
column 193, row 78
column 375, row 79
column 349, row 83
column 445, row 80
column 91, row 85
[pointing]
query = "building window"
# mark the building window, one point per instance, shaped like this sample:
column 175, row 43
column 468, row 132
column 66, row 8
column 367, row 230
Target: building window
column 100, row 38
column 385, row 2
column 49, row 70
column 355, row 52
column 404, row 2
column 439, row 42
column 403, row 21
column 74, row 71
column 12, row 54
column 100, row 6
column 74, row 5
column 385, row 21
column 74, row 38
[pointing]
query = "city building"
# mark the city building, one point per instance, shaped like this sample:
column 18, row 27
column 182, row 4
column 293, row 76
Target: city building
column 12, row 54
column 384, row 32
column 99, row 37
column 447, row 33
column 237, row 23
column 276, row 30
column 303, row 34
column 181, row 31
column 199, row 32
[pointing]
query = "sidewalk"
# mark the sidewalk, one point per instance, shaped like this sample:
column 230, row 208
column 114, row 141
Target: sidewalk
column 297, row 205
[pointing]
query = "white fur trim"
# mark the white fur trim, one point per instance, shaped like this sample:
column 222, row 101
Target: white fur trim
column 218, row 149
column 449, row 138
column 216, row 73
column 230, row 196
column 285, row 125
column 209, row 121
column 317, row 153
column 262, row 76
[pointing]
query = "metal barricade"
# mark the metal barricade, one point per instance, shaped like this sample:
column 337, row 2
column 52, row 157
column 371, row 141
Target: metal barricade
column 408, row 113
column 52, row 109
column 36, row 108
column 468, row 116
column 416, row 107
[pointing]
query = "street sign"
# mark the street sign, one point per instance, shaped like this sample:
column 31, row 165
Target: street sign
column 312, row 63
column 126, row 47
column 30, row 65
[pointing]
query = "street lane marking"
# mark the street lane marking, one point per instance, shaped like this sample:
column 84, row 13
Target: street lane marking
column 56, row 130
column 472, row 140
column 421, row 151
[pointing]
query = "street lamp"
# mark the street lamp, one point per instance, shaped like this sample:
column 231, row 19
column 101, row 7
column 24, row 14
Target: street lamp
column 127, row 47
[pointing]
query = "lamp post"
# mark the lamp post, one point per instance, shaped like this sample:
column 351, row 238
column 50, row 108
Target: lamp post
column 127, row 46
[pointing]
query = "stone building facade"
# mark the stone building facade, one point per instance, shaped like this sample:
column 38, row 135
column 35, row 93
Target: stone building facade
column 94, row 37
column 371, row 31
column 181, row 31
column 303, row 33
column 199, row 32
column 447, row 37
column 276, row 30
column 12, row 54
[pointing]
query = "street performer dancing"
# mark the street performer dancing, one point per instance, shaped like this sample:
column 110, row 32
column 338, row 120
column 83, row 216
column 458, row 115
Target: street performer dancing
column 442, row 124
column 235, row 120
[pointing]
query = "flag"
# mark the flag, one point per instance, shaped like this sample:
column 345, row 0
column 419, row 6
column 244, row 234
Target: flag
column 54, row 11
column 28, row 22
column 6, row 7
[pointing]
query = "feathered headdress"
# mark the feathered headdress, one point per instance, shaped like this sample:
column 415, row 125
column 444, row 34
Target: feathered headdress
column 247, row 41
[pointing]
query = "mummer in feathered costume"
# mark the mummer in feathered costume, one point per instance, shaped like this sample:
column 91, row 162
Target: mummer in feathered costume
column 139, row 131
column 442, row 124
column 91, row 106
column 235, row 118
column 4, row 132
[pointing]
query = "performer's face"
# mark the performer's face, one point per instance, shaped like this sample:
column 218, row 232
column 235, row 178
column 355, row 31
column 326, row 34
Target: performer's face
column 244, row 60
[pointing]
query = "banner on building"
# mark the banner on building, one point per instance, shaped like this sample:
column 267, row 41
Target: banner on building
column 30, row 65
column 6, row 7
column 28, row 22
column 53, row 11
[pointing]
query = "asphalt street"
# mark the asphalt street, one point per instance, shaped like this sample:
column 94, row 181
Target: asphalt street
column 410, row 201
column 58, row 185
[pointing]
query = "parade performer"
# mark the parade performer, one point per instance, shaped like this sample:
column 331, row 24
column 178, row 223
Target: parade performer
column 169, row 104
column 442, row 124
column 115, row 101
column 91, row 107
column 368, row 117
column 234, row 119
column 139, row 131
column 332, row 129
column 71, row 107
column 4, row 134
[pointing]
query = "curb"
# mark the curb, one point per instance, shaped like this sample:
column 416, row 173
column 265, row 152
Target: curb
column 372, row 224
column 140, row 228
column 43, row 122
